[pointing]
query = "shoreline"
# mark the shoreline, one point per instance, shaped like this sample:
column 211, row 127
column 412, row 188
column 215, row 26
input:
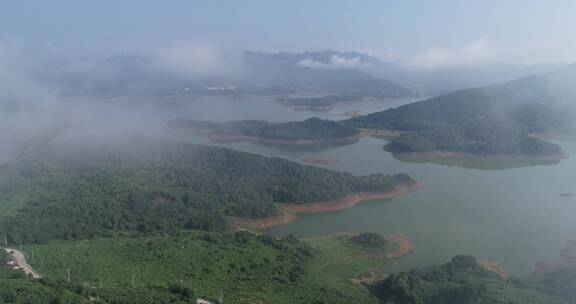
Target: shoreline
column 457, row 154
column 320, row 161
column 405, row 245
column 288, row 214
column 234, row 138
column 282, row 218
column 349, row 200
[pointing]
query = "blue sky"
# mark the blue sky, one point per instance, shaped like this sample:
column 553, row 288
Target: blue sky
column 416, row 31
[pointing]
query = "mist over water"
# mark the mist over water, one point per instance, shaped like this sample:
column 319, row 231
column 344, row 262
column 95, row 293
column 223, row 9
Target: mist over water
column 124, row 127
column 510, row 211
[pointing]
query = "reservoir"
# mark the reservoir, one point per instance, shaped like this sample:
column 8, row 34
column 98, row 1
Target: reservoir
column 515, row 211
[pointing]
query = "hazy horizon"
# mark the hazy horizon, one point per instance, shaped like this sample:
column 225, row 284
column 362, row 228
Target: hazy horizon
column 417, row 34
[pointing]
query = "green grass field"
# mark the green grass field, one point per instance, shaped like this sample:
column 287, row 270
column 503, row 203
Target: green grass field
column 339, row 261
column 246, row 269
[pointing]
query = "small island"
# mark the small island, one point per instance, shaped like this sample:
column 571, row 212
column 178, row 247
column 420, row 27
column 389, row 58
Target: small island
column 312, row 131
column 324, row 103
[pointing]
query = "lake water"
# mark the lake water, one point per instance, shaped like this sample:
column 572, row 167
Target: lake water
column 227, row 108
column 511, row 211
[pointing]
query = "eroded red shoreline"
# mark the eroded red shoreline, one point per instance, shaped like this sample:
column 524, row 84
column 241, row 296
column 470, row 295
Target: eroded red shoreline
column 456, row 154
column 349, row 200
column 231, row 138
column 287, row 212
column 494, row 267
column 405, row 245
column 282, row 218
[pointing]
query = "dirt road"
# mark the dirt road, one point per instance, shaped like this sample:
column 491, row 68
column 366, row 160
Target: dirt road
column 20, row 259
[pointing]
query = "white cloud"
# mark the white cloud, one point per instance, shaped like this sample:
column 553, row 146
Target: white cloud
column 484, row 52
column 336, row 62
column 476, row 53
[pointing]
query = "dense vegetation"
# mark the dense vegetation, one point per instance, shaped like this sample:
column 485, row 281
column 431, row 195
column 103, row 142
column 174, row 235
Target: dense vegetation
column 486, row 120
column 78, row 194
column 16, row 288
column 474, row 138
column 369, row 240
column 248, row 268
column 310, row 129
column 462, row 281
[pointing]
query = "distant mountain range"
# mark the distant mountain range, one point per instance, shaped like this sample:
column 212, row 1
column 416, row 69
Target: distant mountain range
column 324, row 71
column 282, row 73
column 319, row 59
column 430, row 81
column 506, row 118
column 331, row 72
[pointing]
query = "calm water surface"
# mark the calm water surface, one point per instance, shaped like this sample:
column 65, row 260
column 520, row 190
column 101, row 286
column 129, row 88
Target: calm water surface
column 510, row 211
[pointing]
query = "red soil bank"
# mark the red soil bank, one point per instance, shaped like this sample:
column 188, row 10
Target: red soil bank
column 405, row 245
column 231, row 138
column 348, row 201
column 494, row 267
column 282, row 218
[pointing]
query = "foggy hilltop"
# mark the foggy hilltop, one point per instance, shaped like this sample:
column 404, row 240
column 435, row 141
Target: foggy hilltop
column 298, row 152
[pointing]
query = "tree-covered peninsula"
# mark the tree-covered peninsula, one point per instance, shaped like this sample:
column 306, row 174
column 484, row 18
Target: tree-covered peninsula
column 80, row 193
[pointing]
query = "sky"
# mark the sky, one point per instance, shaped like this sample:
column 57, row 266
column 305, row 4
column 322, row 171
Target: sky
column 420, row 33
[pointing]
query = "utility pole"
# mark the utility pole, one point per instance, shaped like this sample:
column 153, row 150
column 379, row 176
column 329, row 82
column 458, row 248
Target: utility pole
column 133, row 277
column 5, row 241
column 68, row 271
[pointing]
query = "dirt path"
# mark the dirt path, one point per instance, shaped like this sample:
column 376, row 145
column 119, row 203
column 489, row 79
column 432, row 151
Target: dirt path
column 20, row 259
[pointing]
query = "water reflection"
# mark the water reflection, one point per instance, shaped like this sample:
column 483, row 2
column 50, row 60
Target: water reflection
column 480, row 162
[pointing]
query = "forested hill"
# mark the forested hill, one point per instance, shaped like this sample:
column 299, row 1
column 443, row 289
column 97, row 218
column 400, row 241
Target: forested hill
column 464, row 281
column 310, row 129
column 78, row 193
column 494, row 119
